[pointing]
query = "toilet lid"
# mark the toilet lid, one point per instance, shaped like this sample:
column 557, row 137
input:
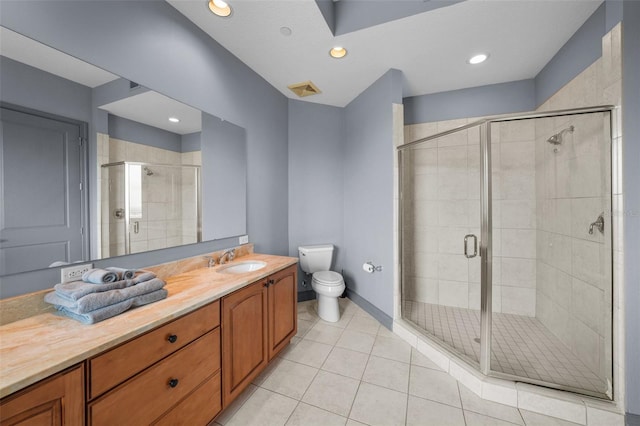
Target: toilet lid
column 328, row 277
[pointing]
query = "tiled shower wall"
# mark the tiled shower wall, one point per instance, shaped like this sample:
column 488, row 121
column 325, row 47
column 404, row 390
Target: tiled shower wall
column 574, row 292
column 165, row 222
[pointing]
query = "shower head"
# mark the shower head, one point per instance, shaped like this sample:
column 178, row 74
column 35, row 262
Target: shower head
column 557, row 138
column 148, row 171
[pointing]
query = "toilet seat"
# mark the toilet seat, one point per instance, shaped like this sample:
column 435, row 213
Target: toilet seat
column 328, row 278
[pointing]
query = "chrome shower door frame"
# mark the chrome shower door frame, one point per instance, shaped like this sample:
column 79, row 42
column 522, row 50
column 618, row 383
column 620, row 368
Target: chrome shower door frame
column 486, row 243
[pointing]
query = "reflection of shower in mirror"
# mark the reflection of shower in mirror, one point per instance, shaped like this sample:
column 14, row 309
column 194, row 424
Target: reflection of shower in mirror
column 159, row 212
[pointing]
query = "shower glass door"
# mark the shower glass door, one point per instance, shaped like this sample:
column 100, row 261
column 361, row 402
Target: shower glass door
column 506, row 246
column 552, row 279
column 440, row 222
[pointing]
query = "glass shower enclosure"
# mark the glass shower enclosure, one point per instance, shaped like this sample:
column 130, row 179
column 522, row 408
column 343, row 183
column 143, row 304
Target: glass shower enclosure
column 147, row 206
column 506, row 246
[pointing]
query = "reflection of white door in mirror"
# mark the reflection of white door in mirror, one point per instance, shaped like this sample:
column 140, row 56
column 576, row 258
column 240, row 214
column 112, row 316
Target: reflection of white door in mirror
column 42, row 196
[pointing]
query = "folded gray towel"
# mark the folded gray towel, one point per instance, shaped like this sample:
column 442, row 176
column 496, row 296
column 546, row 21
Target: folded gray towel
column 74, row 290
column 99, row 276
column 123, row 274
column 94, row 301
column 115, row 309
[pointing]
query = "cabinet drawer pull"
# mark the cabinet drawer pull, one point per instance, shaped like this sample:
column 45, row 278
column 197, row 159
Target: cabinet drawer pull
column 172, row 338
column 266, row 284
column 173, row 383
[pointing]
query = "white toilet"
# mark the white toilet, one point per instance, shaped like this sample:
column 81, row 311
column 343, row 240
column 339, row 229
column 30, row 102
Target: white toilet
column 328, row 285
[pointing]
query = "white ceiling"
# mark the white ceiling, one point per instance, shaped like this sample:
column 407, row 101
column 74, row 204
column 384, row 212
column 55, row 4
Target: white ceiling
column 153, row 109
column 430, row 48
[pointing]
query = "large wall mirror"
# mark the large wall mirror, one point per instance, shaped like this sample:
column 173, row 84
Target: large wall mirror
column 95, row 166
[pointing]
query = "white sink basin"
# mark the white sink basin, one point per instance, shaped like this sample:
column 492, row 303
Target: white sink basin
column 243, row 267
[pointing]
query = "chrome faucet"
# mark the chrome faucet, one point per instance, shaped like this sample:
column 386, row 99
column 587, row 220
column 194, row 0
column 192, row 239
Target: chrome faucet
column 229, row 255
column 212, row 261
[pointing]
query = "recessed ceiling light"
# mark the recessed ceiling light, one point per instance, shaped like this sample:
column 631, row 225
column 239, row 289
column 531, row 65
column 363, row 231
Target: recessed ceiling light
column 174, row 119
column 338, row 52
column 478, row 59
column 220, row 8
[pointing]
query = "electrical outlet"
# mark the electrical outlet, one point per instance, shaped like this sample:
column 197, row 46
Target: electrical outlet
column 244, row 239
column 74, row 272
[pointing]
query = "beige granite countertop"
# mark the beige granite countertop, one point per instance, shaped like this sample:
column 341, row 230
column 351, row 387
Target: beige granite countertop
column 34, row 348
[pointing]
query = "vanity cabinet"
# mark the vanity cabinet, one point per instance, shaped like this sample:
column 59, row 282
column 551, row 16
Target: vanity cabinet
column 57, row 400
column 183, row 372
column 282, row 296
column 170, row 375
column 258, row 321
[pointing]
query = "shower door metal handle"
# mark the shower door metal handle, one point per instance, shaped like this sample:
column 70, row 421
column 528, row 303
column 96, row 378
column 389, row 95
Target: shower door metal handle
column 475, row 246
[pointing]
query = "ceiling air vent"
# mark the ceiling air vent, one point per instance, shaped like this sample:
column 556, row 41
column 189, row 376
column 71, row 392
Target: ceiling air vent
column 304, row 89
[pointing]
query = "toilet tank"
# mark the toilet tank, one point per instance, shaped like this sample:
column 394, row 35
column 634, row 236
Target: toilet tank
column 315, row 258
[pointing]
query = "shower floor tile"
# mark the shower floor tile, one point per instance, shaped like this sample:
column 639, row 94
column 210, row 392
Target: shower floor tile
column 521, row 345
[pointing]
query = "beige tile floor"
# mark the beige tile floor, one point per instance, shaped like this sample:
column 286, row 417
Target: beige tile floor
column 356, row 372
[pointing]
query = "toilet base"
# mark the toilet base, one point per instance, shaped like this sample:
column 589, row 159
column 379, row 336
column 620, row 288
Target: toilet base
column 328, row 308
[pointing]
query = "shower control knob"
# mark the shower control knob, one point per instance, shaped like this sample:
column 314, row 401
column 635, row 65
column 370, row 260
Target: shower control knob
column 118, row 213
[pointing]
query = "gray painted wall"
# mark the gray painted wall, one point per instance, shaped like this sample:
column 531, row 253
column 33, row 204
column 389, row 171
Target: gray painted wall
column 191, row 142
column 368, row 190
column 224, row 178
column 354, row 15
column 153, row 44
column 132, row 131
column 32, row 88
column 631, row 177
column 316, row 145
column 502, row 98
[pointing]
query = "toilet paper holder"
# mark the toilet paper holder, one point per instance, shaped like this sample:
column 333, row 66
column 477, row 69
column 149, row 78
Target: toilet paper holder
column 371, row 268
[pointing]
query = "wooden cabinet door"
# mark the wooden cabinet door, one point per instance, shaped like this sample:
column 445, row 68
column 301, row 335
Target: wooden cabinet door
column 244, row 338
column 58, row 400
column 283, row 311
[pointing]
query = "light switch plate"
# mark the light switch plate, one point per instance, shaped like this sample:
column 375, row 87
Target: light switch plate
column 74, row 272
column 244, row 239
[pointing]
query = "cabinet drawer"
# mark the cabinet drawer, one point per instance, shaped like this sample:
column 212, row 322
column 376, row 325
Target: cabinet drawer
column 119, row 364
column 144, row 398
column 198, row 408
